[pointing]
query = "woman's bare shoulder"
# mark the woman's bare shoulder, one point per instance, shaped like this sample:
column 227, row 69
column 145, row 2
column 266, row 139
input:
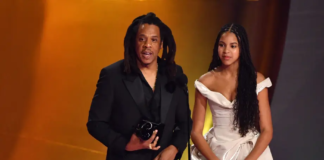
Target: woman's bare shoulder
column 208, row 78
column 260, row 77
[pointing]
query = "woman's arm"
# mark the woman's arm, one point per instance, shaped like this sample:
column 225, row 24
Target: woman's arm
column 199, row 113
column 265, row 123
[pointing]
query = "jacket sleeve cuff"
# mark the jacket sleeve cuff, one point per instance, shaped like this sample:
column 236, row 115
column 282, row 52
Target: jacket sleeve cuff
column 119, row 145
column 179, row 146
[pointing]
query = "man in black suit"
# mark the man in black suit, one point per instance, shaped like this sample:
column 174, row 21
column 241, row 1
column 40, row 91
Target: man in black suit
column 142, row 89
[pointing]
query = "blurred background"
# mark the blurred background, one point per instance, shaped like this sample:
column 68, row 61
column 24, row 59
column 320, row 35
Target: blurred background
column 53, row 50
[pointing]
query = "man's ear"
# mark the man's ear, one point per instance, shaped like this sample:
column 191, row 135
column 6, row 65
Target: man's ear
column 161, row 45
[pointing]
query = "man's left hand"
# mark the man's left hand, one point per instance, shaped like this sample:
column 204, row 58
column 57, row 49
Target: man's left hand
column 168, row 153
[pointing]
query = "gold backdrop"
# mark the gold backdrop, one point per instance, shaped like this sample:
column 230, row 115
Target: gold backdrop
column 51, row 55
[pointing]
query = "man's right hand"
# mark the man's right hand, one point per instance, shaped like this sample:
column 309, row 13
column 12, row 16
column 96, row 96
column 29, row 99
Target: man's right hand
column 136, row 143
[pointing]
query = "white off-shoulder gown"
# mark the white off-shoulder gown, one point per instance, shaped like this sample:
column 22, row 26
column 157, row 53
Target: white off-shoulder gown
column 226, row 143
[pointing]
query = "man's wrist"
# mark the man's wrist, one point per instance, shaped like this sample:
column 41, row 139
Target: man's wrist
column 174, row 148
column 128, row 147
column 131, row 147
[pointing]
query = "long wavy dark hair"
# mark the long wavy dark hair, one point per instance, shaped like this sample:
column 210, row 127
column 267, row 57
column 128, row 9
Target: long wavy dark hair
column 169, row 46
column 246, row 105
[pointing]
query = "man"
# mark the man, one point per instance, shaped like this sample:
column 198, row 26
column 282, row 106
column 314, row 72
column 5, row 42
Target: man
column 142, row 88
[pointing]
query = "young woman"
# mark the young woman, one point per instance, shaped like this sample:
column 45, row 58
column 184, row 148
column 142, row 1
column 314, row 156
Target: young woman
column 238, row 99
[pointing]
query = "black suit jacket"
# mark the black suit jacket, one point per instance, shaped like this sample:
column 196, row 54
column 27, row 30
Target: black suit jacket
column 116, row 109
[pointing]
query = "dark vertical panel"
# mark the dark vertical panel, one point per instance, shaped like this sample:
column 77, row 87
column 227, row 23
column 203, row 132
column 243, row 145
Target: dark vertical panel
column 297, row 106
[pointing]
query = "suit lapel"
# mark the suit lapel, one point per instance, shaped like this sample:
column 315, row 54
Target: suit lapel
column 134, row 85
column 166, row 98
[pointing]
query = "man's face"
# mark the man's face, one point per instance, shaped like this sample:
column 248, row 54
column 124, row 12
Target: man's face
column 148, row 43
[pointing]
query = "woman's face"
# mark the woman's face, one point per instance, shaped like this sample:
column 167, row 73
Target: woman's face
column 228, row 48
